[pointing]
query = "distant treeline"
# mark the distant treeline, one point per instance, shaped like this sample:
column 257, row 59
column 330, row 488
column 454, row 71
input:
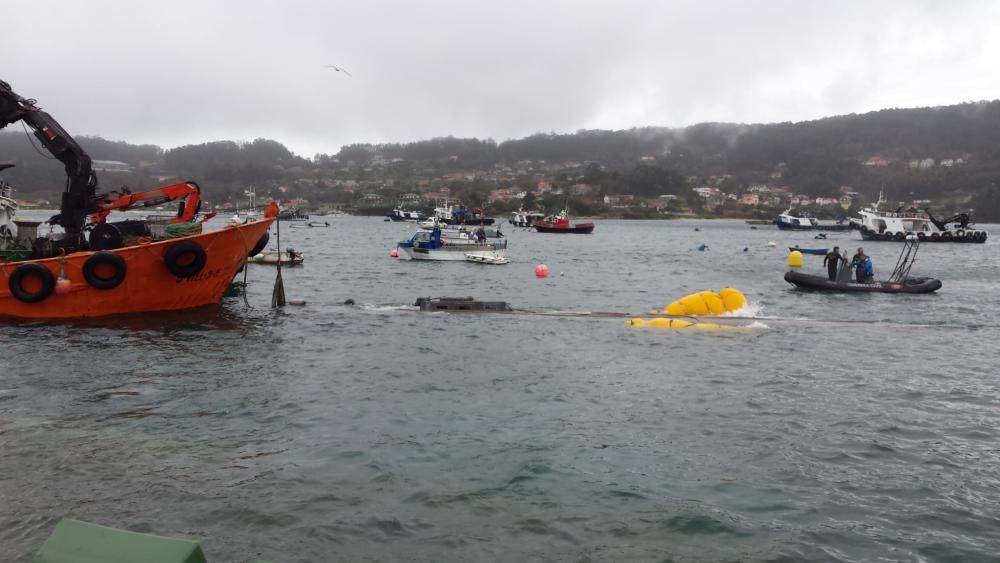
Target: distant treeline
column 813, row 157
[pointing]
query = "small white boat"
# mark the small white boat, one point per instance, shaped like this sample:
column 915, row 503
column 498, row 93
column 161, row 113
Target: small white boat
column 430, row 245
column 497, row 257
column 286, row 257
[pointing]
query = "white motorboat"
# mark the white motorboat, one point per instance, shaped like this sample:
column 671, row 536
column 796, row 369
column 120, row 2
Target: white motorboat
column 879, row 225
column 429, row 245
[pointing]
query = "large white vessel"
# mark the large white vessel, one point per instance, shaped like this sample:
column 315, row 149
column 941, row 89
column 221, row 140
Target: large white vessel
column 876, row 224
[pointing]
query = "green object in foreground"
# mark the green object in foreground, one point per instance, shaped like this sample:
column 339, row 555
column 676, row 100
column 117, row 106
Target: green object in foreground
column 16, row 254
column 74, row 541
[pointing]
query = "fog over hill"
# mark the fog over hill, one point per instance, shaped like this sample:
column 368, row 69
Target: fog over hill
column 919, row 153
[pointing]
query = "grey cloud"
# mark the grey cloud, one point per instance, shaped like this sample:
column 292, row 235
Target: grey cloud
column 187, row 72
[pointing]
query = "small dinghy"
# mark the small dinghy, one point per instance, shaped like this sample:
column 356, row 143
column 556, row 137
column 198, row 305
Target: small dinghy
column 899, row 282
column 486, row 258
column 286, row 257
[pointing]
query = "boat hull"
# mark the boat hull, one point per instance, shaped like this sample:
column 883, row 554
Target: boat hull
column 820, row 283
column 456, row 253
column 946, row 236
column 147, row 286
column 577, row 229
column 815, row 251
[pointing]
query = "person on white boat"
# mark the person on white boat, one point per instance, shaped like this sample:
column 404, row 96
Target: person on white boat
column 481, row 234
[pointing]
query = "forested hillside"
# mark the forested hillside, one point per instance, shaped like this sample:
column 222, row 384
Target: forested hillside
column 888, row 149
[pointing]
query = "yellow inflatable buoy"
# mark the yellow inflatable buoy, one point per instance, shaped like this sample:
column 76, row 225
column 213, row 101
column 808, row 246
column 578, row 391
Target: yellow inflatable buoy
column 732, row 299
column 795, row 259
column 706, row 303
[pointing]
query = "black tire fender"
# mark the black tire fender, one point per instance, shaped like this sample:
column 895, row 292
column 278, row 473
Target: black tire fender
column 261, row 244
column 104, row 257
column 172, row 259
column 24, row 270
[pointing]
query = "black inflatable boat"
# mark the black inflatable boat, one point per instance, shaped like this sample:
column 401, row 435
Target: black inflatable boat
column 899, row 281
column 822, row 283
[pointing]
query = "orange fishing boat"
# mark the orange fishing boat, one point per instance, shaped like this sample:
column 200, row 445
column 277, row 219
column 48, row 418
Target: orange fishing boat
column 96, row 268
column 169, row 275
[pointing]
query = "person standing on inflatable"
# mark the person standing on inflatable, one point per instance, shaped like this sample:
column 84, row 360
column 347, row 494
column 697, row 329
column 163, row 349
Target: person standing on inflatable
column 831, row 261
column 863, row 266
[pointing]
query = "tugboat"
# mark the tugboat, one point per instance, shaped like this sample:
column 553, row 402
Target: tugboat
column 879, row 225
column 95, row 268
column 560, row 224
column 899, row 281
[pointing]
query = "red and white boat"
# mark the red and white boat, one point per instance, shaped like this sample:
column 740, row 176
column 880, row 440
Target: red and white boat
column 560, row 224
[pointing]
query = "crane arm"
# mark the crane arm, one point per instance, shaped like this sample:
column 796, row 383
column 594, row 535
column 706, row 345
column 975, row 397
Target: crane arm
column 81, row 181
column 188, row 192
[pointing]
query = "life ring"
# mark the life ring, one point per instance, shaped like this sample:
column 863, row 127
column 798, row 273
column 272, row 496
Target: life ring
column 959, row 234
column 935, row 237
column 185, row 269
column 257, row 248
column 104, row 257
column 45, row 277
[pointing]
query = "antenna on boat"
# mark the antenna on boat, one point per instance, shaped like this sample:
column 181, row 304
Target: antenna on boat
column 906, row 259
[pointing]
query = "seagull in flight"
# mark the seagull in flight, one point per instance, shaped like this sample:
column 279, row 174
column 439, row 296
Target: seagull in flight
column 338, row 69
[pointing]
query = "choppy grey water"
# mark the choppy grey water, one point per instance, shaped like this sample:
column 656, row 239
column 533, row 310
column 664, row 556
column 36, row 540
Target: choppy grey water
column 376, row 433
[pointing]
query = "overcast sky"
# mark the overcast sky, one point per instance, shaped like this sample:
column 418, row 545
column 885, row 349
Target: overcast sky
column 178, row 71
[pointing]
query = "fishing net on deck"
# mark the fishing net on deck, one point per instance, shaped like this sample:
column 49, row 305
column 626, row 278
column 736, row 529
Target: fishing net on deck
column 178, row 230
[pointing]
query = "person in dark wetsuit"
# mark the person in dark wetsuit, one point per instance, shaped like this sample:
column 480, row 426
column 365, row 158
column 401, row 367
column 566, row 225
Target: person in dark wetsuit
column 831, row 261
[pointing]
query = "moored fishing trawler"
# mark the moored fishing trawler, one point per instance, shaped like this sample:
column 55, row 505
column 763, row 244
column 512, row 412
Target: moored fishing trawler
column 560, row 224
column 878, row 225
column 97, row 268
column 789, row 221
column 451, row 213
column 400, row 214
